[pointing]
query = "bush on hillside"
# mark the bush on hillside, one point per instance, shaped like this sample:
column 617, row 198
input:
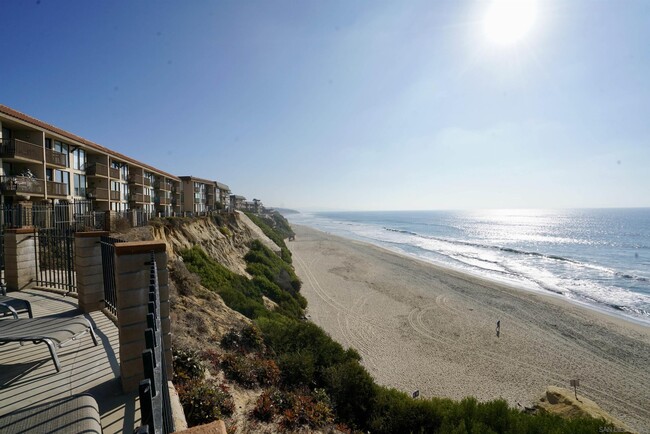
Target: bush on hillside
column 276, row 236
column 205, row 401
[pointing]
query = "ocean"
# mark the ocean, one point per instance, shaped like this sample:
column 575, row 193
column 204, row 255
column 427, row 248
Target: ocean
column 600, row 257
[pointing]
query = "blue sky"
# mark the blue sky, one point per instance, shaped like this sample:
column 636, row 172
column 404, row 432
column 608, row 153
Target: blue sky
column 350, row 104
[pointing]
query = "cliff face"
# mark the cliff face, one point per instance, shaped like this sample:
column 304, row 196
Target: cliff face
column 225, row 238
column 200, row 316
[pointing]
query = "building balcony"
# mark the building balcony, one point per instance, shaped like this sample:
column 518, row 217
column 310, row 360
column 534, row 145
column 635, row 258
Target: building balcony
column 162, row 185
column 20, row 150
column 56, row 158
column 114, row 173
column 115, row 195
column 146, row 181
column 162, row 200
column 136, row 197
column 135, row 179
column 21, row 185
column 57, row 189
column 146, row 198
column 98, row 193
column 97, row 169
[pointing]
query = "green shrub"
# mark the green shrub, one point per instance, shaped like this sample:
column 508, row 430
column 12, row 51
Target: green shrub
column 237, row 367
column 204, row 401
column 277, row 236
column 187, row 365
column 297, row 369
column 238, row 292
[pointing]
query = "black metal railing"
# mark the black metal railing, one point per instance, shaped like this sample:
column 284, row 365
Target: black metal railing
column 108, row 271
column 155, row 407
column 78, row 214
column 54, row 257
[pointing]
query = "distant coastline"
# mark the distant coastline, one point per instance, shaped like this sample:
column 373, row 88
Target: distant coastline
column 608, row 271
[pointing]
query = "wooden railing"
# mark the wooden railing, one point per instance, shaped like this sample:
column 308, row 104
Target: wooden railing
column 55, row 157
column 15, row 148
column 98, row 193
column 115, row 195
column 115, row 173
column 58, row 188
column 97, row 169
column 146, row 198
column 135, row 179
column 22, row 185
column 135, row 197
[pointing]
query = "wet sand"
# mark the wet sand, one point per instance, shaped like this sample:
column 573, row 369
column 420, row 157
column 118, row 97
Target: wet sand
column 423, row 327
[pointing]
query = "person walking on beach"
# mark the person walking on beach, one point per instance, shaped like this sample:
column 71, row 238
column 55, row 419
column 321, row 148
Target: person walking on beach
column 498, row 327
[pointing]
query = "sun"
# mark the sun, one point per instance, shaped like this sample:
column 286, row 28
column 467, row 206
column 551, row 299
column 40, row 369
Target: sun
column 509, row 21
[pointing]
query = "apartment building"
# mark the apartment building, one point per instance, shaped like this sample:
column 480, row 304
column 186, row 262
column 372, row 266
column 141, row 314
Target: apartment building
column 199, row 195
column 41, row 163
column 224, row 194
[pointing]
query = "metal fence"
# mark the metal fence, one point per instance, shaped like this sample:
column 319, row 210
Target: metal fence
column 54, row 256
column 77, row 214
column 108, row 270
column 155, row 407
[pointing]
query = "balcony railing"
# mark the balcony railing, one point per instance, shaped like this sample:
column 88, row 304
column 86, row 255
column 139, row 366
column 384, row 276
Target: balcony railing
column 162, row 185
column 98, row 193
column 146, row 181
column 146, row 198
column 135, row 197
column 161, row 200
column 14, row 148
column 115, row 173
column 135, row 179
column 22, row 185
column 58, row 188
column 56, row 158
column 97, row 169
column 115, row 195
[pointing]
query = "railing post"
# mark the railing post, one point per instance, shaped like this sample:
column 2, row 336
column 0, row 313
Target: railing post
column 88, row 267
column 20, row 258
column 132, row 285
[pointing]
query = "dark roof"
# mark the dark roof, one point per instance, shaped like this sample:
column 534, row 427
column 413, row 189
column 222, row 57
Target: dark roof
column 194, row 178
column 51, row 128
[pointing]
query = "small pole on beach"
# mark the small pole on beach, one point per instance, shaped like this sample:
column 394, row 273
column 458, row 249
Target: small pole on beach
column 575, row 384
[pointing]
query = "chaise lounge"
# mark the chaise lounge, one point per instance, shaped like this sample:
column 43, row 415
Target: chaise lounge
column 55, row 332
column 14, row 306
column 74, row 414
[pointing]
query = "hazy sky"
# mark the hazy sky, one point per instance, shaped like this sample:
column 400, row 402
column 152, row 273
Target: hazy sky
column 351, row 104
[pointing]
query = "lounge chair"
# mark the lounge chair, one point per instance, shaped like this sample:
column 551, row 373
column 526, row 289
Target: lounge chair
column 14, row 306
column 53, row 331
column 74, row 414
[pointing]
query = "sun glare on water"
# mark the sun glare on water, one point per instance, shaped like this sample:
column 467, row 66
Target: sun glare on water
column 507, row 22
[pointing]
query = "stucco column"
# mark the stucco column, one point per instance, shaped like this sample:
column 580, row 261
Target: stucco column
column 132, row 283
column 20, row 258
column 88, row 266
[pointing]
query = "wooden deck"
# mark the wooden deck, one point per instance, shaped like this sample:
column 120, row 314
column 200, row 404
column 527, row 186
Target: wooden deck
column 28, row 376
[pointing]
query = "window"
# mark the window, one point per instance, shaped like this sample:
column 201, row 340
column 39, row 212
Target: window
column 79, row 159
column 115, row 186
column 48, row 143
column 125, row 191
column 124, row 170
column 60, row 147
column 62, row 177
column 79, row 185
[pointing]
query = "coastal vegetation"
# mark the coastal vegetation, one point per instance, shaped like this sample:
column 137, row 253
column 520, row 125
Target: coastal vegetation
column 308, row 379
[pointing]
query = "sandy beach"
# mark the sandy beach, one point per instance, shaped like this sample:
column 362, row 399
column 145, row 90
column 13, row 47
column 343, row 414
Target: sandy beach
column 427, row 328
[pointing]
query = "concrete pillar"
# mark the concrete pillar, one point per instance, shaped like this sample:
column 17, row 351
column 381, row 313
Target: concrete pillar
column 132, row 283
column 88, row 266
column 20, row 258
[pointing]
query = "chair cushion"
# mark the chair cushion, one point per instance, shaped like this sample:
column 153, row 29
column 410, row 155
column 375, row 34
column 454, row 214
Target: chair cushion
column 74, row 414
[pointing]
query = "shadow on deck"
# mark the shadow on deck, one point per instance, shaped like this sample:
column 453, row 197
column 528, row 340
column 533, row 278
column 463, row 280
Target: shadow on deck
column 28, row 376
